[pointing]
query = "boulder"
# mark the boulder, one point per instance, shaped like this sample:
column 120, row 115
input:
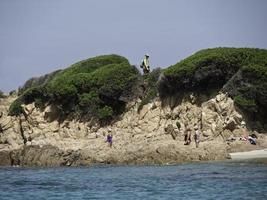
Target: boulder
column 5, row 158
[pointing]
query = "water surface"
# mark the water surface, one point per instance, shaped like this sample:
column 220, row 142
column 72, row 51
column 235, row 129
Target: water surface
column 226, row 180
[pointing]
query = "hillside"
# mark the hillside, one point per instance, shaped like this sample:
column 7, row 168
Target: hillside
column 63, row 119
column 240, row 72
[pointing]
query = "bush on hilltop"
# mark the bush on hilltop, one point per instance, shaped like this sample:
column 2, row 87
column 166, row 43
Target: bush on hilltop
column 92, row 87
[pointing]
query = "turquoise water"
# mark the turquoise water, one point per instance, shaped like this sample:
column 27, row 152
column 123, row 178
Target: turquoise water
column 187, row 181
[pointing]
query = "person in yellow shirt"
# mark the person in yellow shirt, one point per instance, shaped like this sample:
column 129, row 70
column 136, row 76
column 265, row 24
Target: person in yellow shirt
column 145, row 64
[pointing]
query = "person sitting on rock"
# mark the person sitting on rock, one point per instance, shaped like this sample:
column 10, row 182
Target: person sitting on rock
column 145, row 64
column 252, row 139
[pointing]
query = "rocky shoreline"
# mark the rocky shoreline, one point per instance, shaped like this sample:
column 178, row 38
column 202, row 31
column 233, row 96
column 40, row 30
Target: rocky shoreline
column 149, row 136
column 51, row 156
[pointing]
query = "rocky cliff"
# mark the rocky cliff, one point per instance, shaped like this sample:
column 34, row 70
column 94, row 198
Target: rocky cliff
column 64, row 120
column 148, row 136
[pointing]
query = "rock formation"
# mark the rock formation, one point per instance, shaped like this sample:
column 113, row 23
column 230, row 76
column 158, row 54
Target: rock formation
column 148, row 136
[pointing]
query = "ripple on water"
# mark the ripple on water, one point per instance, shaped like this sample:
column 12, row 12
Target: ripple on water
column 187, row 181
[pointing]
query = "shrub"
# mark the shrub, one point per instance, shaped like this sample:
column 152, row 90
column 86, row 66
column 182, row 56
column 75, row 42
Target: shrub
column 105, row 113
column 210, row 68
column 91, row 87
column 255, row 73
column 33, row 93
column 15, row 108
column 39, row 103
column 89, row 99
column 247, row 104
column 89, row 102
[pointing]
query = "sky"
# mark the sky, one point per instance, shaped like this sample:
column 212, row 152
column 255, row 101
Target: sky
column 38, row 37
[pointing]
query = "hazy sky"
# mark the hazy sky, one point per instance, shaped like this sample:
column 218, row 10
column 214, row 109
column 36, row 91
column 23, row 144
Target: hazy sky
column 40, row 36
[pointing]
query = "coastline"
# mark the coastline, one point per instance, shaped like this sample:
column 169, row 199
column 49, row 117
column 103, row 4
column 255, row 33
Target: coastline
column 146, row 137
column 171, row 154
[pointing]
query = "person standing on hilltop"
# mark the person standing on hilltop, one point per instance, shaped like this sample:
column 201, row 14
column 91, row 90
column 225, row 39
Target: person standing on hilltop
column 145, row 64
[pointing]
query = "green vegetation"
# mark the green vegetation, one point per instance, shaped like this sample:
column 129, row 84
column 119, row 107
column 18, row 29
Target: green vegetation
column 248, row 104
column 15, row 108
column 209, row 68
column 254, row 91
column 105, row 112
column 92, row 87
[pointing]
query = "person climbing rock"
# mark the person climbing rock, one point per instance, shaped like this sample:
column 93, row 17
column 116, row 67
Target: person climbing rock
column 145, row 64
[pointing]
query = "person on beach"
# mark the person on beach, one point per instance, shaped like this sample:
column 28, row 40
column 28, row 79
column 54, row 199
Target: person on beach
column 187, row 134
column 252, row 140
column 197, row 136
column 109, row 138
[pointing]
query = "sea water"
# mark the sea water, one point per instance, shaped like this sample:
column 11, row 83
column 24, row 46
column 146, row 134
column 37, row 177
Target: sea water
column 226, row 180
